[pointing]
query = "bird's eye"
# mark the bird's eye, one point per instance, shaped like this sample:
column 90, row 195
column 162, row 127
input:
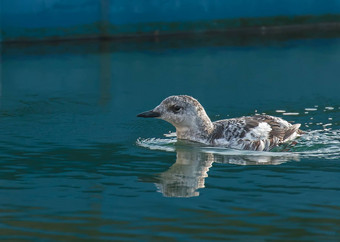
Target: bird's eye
column 176, row 108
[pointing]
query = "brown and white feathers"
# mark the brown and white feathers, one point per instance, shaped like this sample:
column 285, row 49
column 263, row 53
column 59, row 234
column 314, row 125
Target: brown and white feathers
column 259, row 132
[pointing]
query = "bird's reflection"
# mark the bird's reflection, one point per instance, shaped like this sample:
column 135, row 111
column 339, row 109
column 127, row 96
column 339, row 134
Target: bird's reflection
column 188, row 173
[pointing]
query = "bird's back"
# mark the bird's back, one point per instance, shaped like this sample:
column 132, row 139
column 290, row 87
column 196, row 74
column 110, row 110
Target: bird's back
column 259, row 132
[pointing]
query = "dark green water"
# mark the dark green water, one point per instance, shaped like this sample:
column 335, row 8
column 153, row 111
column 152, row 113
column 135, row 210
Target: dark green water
column 76, row 163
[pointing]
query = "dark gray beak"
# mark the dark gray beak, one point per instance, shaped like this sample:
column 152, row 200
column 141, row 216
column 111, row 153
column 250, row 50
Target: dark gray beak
column 149, row 114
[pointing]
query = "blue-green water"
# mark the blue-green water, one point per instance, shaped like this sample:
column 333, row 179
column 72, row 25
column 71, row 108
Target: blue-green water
column 76, row 162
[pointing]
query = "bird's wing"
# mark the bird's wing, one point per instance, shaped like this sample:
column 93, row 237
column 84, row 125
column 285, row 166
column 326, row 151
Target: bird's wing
column 260, row 132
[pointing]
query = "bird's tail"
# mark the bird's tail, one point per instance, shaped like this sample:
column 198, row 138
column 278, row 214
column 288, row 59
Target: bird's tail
column 292, row 132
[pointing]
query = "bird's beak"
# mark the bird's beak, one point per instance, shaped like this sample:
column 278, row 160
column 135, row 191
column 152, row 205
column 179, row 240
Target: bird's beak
column 149, row 114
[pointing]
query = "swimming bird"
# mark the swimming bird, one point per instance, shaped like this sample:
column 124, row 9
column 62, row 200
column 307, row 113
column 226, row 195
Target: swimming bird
column 258, row 132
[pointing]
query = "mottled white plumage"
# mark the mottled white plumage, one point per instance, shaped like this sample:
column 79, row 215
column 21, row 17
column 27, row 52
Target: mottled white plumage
column 259, row 132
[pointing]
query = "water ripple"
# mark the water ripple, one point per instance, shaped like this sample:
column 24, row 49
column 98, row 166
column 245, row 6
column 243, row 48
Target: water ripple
column 323, row 144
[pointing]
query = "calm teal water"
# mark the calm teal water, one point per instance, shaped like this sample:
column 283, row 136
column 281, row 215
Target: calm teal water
column 76, row 163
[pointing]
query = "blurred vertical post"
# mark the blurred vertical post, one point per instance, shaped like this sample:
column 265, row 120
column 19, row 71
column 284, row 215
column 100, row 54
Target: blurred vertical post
column 0, row 48
column 105, row 55
column 0, row 23
column 104, row 18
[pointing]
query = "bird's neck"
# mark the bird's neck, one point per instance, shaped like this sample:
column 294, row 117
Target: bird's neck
column 200, row 129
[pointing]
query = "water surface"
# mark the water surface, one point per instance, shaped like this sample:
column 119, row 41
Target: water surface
column 76, row 163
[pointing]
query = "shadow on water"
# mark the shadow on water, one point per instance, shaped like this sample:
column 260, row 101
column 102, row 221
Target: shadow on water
column 161, row 43
column 193, row 161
